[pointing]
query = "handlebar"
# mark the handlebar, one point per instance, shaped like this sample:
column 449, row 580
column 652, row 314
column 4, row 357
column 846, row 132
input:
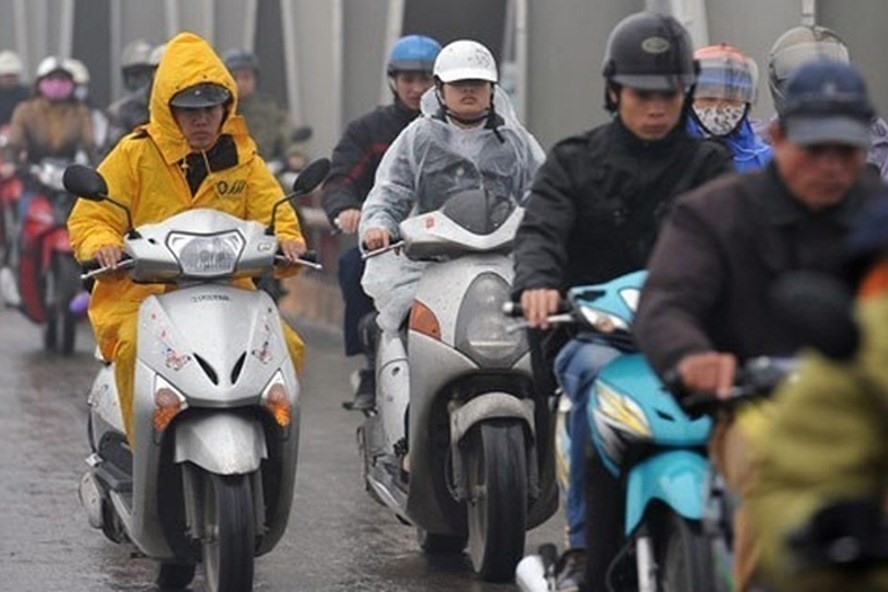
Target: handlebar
column 757, row 379
column 92, row 269
column 309, row 259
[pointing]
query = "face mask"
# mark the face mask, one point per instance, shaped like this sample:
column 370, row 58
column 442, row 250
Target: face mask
column 720, row 120
column 55, row 89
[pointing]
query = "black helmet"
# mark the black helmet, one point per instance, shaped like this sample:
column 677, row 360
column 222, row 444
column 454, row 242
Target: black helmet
column 650, row 51
column 204, row 94
column 241, row 59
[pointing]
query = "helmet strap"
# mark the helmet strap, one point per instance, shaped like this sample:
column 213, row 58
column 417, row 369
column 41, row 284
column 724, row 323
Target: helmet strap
column 488, row 115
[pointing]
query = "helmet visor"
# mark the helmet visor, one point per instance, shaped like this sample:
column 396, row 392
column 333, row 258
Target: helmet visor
column 201, row 95
column 734, row 80
column 657, row 82
column 787, row 61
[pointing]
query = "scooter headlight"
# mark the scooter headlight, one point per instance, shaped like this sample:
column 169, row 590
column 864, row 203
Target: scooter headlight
column 168, row 403
column 206, row 255
column 276, row 399
column 482, row 331
column 622, row 412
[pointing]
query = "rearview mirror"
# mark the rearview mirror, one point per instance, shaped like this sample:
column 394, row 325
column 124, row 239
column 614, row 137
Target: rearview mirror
column 818, row 309
column 85, row 182
column 312, row 176
column 301, row 134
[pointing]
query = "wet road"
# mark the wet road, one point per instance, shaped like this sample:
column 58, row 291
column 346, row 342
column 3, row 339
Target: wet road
column 337, row 539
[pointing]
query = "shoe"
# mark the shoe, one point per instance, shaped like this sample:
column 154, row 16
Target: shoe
column 9, row 289
column 365, row 394
column 570, row 572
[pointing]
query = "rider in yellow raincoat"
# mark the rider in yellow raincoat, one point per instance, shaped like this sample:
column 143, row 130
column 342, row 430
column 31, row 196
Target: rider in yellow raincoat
column 195, row 152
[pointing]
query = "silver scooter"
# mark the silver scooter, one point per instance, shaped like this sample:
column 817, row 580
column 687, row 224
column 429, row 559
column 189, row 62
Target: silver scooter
column 216, row 400
column 458, row 446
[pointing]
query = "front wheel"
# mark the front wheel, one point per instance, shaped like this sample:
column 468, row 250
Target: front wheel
column 62, row 285
column 174, row 576
column 440, row 544
column 684, row 556
column 228, row 542
column 497, row 506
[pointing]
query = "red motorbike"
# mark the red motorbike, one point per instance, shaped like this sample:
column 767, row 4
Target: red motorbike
column 48, row 277
column 10, row 191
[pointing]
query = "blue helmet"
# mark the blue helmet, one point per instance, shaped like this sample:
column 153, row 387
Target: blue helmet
column 413, row 53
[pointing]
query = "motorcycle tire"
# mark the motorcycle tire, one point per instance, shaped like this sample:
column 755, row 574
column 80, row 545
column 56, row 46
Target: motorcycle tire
column 62, row 285
column 174, row 576
column 441, row 544
column 684, row 556
column 228, row 543
column 497, row 505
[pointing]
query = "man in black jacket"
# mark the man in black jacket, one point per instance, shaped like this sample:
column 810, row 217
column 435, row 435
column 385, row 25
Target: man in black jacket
column 355, row 159
column 593, row 214
column 706, row 303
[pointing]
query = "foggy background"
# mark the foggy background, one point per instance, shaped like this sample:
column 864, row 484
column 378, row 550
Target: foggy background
column 325, row 59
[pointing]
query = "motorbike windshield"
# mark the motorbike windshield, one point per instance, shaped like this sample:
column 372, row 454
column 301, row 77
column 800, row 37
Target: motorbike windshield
column 479, row 212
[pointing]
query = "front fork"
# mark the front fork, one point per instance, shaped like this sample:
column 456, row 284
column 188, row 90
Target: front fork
column 194, row 490
column 645, row 561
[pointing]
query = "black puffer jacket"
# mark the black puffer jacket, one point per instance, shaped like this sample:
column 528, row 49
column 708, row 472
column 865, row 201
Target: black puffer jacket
column 358, row 153
column 598, row 200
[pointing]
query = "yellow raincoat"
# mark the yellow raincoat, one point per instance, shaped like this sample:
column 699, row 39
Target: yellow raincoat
column 146, row 172
column 827, row 442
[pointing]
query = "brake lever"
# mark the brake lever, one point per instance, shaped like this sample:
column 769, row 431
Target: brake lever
column 122, row 265
column 300, row 261
column 377, row 252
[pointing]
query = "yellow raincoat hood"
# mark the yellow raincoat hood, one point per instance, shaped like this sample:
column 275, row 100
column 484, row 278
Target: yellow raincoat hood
column 189, row 60
column 147, row 172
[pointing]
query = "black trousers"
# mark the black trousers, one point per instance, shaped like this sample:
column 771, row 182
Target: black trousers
column 357, row 304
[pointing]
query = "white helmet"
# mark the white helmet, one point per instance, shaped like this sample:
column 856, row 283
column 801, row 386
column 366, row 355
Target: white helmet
column 10, row 63
column 51, row 64
column 79, row 70
column 156, row 54
column 465, row 60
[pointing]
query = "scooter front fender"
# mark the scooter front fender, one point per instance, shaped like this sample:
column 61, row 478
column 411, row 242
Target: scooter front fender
column 675, row 477
column 224, row 443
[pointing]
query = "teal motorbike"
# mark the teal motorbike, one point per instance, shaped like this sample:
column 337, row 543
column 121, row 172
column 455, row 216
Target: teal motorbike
column 644, row 438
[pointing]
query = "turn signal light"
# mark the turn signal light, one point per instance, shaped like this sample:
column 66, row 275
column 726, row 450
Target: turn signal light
column 423, row 320
column 167, row 405
column 278, row 404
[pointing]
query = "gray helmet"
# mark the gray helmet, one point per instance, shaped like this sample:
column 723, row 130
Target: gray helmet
column 136, row 53
column 650, row 51
column 799, row 46
column 241, row 59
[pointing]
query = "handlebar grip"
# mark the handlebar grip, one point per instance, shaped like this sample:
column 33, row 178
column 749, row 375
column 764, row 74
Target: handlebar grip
column 90, row 265
column 513, row 309
column 698, row 405
column 311, row 256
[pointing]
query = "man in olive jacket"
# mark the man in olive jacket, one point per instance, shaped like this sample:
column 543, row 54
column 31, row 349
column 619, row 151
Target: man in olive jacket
column 828, row 441
column 706, row 301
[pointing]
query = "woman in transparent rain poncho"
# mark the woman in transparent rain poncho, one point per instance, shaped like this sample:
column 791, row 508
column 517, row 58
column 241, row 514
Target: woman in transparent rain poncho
column 468, row 137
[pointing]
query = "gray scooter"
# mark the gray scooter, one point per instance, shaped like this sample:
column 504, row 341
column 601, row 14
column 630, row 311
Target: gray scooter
column 458, row 446
column 216, row 400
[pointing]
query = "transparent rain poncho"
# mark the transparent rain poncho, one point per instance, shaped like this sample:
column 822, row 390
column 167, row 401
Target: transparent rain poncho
column 428, row 162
